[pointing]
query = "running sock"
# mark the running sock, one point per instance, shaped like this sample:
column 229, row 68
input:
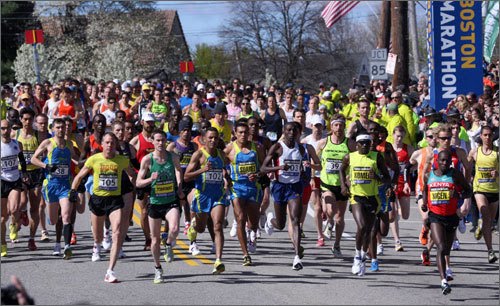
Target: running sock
column 67, row 231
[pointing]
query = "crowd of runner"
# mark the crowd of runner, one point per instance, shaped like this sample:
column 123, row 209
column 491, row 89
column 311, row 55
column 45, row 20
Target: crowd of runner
column 188, row 150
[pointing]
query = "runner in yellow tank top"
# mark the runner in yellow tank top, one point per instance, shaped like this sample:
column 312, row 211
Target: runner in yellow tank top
column 485, row 186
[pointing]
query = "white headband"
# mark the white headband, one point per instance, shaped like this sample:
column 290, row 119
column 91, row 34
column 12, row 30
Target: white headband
column 363, row 137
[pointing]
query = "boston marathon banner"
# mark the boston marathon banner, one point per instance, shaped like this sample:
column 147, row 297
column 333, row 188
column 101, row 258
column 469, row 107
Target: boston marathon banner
column 455, row 48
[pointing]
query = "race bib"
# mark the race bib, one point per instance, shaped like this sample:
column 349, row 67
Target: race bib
column 61, row 171
column 27, row 156
column 10, row 163
column 484, row 175
column 362, row 175
column 108, row 182
column 213, row 176
column 185, row 160
column 294, row 167
column 440, row 196
column 164, row 188
column 333, row 166
column 402, row 167
column 247, row 168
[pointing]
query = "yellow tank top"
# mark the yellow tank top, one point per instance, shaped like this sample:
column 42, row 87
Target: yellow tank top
column 29, row 147
column 195, row 115
column 224, row 131
column 107, row 173
column 483, row 181
column 362, row 172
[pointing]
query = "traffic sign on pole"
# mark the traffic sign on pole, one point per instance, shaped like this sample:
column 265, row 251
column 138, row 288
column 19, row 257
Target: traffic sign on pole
column 378, row 61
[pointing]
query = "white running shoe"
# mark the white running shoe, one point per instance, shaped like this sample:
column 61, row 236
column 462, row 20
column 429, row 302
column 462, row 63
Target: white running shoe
column 356, row 266
column 456, row 245
column 193, row 249
column 158, row 276
column 258, row 234
column 262, row 221
column 269, row 226
column 380, row 249
column 121, row 254
column 252, row 248
column 297, row 263
column 96, row 253
column 328, row 231
column 57, row 249
column 362, row 268
column 449, row 274
column 461, row 226
column 234, row 229
column 110, row 277
column 106, row 242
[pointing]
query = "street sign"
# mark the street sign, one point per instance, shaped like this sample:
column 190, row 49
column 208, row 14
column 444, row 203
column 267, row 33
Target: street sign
column 391, row 63
column 33, row 37
column 186, row 67
column 378, row 59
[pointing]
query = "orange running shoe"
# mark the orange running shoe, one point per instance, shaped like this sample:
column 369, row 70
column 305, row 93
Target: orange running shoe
column 73, row 239
column 424, row 236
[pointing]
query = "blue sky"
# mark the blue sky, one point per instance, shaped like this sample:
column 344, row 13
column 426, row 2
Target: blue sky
column 201, row 20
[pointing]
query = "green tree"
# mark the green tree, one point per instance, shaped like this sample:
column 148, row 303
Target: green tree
column 16, row 18
column 212, row 62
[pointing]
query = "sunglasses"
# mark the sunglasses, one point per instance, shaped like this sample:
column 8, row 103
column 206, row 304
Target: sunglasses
column 444, row 138
column 4, row 128
column 429, row 136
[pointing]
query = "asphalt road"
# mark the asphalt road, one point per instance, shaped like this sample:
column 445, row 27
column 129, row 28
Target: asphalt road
column 271, row 281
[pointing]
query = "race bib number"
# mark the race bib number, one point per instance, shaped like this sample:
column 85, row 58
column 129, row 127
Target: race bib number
column 10, row 163
column 333, row 166
column 484, row 175
column 362, row 175
column 185, row 160
column 61, row 171
column 294, row 167
column 27, row 156
column 440, row 196
column 247, row 168
column 108, row 182
column 213, row 176
column 164, row 188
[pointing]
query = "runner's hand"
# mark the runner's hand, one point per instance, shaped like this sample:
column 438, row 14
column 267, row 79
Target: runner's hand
column 51, row 168
column 154, row 175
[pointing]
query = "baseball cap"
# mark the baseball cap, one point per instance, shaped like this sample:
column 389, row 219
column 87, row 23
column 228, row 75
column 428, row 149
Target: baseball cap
column 25, row 96
column 185, row 125
column 211, row 95
column 116, row 81
column 327, row 94
column 317, row 120
column 147, row 116
column 220, row 108
column 146, row 86
column 453, row 112
column 200, row 87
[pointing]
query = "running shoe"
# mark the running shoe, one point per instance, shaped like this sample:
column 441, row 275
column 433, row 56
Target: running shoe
column 362, row 267
column 380, row 249
column 13, row 232
column 234, row 229
column 4, row 250
column 158, row 276
column 398, row 247
column 297, row 263
column 356, row 266
column 269, row 226
column 478, row 234
column 321, row 242
column 492, row 258
column 193, row 249
column 32, row 245
column 262, row 221
column 107, row 241
column 258, row 234
column 212, row 249
column 426, row 258
column 218, row 267
column 252, row 247
column 328, row 231
column 445, row 288
column 57, row 249
column 121, row 254
column 424, row 236
column 374, row 266
column 187, row 225
column 96, row 253
column 23, row 217
column 110, row 277
column 461, row 226
column 449, row 274
column 336, row 251
column 68, row 252
column 456, row 245
column 192, row 234
column 45, row 236
column 73, row 239
column 169, row 253
column 247, row 261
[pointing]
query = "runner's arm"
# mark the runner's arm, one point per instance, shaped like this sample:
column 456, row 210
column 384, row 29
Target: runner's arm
column 272, row 152
column 78, row 178
column 141, row 180
column 42, row 148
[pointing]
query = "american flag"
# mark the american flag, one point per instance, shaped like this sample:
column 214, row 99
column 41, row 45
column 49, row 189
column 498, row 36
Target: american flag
column 335, row 10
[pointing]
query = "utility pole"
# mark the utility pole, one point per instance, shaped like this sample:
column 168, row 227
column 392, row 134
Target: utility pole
column 384, row 38
column 238, row 61
column 399, row 35
column 413, row 36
